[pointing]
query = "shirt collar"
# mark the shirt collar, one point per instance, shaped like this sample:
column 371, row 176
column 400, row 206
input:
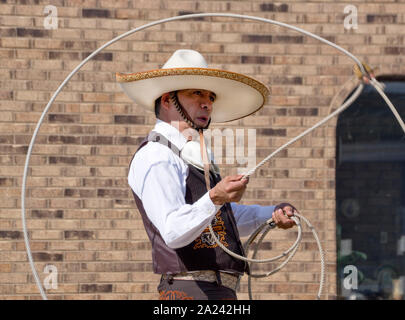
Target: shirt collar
column 171, row 133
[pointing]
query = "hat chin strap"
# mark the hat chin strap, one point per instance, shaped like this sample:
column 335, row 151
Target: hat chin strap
column 203, row 147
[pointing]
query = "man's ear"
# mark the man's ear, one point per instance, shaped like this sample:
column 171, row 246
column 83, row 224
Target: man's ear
column 165, row 101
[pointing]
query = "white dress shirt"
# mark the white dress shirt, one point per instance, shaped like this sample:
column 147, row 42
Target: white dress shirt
column 158, row 178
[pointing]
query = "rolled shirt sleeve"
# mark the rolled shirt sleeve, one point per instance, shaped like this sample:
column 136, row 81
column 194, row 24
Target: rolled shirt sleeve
column 250, row 217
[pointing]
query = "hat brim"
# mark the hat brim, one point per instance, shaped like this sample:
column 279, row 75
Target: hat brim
column 237, row 95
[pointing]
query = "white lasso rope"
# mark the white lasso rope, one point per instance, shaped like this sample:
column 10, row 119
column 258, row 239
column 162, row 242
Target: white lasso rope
column 148, row 25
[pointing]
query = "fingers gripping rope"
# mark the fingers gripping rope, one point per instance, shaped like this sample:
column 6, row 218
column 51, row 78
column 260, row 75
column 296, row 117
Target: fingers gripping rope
column 148, row 25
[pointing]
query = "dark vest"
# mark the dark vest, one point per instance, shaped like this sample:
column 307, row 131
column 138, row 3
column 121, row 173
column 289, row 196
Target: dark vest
column 203, row 253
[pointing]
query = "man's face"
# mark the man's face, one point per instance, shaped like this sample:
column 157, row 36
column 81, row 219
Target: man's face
column 198, row 104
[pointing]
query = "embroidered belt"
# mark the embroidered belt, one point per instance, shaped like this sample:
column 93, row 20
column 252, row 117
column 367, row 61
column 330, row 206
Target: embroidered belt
column 222, row 278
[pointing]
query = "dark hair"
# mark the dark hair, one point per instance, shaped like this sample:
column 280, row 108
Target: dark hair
column 157, row 106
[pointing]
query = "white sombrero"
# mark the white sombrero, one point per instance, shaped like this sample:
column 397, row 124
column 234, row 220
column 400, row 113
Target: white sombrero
column 237, row 95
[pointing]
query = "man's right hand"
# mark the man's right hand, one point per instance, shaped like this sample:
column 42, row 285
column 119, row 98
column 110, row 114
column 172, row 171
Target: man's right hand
column 229, row 189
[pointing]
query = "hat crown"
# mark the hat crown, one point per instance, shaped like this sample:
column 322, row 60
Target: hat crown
column 185, row 58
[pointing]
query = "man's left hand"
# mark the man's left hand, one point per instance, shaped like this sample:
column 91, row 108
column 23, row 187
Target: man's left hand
column 281, row 215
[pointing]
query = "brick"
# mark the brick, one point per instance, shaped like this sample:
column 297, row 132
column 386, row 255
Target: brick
column 127, row 224
column 11, row 235
column 293, row 80
column 7, row 290
column 14, row 256
column 64, row 140
column 13, row 278
column 111, row 193
column 131, row 287
column 96, row 288
column 288, row 39
column 64, row 224
column 97, row 140
column 96, row 97
column 44, row 256
column 27, row 32
column 97, row 245
column 112, row 256
column 80, row 256
column 112, row 234
column 46, row 65
column 46, row 234
column 96, row 13
column 64, row 55
column 72, row 235
column 79, row 277
column 394, row 50
column 273, row 7
column 98, row 34
column 81, row 193
column 272, row 132
column 63, row 160
column 182, row 13
column 303, row 111
column 62, row 118
column 8, row 32
column 381, row 18
column 257, row 38
column 256, row 59
column 63, row 245
column 85, row 3
column 15, row 43
column 6, row 182
column 121, row 119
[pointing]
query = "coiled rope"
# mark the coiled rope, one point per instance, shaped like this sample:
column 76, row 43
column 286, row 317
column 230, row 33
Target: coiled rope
column 268, row 225
column 148, row 25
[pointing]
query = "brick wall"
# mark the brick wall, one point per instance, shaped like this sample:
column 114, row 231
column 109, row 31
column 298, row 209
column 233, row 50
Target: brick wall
column 80, row 213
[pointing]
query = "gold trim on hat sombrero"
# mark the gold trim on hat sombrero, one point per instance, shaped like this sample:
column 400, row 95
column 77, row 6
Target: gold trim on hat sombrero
column 264, row 91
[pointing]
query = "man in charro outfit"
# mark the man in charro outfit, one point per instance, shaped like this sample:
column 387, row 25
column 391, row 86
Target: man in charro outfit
column 178, row 192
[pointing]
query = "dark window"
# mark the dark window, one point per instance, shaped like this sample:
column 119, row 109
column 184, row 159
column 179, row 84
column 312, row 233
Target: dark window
column 370, row 196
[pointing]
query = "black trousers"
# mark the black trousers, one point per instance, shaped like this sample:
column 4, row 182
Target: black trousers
column 172, row 289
